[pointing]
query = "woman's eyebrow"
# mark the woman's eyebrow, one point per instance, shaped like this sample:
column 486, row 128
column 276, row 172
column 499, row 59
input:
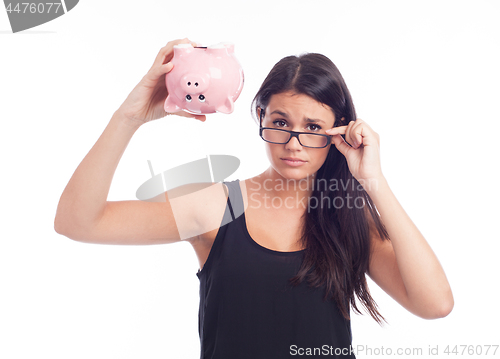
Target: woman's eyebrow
column 286, row 116
column 279, row 113
column 313, row 120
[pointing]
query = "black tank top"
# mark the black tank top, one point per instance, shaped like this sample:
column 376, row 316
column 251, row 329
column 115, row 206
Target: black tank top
column 248, row 308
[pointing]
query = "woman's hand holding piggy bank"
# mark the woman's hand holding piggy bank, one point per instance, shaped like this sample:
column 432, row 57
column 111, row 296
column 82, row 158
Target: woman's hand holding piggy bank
column 203, row 80
column 146, row 101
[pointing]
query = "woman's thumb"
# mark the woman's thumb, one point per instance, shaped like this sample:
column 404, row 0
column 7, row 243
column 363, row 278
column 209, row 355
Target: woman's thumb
column 155, row 73
column 166, row 68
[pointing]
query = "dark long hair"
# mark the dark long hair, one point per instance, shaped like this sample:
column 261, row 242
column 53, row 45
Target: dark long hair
column 336, row 237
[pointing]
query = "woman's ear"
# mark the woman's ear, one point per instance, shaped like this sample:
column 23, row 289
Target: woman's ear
column 260, row 114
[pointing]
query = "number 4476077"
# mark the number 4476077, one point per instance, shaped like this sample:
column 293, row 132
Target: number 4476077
column 471, row 349
column 33, row 8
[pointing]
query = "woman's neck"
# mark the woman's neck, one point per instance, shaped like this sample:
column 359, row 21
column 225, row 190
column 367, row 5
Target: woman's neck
column 278, row 192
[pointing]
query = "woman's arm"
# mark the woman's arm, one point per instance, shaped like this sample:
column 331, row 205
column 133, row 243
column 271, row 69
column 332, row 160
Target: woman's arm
column 83, row 212
column 405, row 267
column 84, row 199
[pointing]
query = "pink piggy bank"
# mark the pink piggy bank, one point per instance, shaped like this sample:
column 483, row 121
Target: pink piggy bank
column 204, row 79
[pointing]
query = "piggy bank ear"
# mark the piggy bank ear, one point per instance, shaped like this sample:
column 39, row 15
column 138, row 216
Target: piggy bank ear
column 171, row 106
column 229, row 47
column 227, row 107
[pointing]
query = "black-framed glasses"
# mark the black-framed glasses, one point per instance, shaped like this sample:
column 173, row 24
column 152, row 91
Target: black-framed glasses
column 280, row 136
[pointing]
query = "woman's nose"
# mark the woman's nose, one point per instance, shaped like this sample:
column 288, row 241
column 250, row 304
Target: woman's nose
column 293, row 143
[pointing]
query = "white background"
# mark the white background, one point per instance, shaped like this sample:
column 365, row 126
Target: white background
column 424, row 75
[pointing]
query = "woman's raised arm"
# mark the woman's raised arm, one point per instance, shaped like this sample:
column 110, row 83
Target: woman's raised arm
column 83, row 212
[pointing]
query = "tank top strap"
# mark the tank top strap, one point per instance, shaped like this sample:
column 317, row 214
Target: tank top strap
column 235, row 200
column 233, row 209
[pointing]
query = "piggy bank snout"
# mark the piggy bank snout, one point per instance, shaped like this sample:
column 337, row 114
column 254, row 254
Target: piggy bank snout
column 194, row 83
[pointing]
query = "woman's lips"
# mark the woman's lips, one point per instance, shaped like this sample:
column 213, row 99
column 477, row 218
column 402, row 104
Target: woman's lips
column 293, row 162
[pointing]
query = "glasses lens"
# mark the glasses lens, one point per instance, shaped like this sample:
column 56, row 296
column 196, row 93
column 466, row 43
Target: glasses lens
column 313, row 140
column 275, row 136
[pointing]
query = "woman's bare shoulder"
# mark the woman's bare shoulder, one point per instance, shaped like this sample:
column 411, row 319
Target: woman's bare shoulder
column 203, row 202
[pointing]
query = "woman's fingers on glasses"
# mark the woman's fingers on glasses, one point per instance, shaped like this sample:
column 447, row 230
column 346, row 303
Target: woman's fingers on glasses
column 336, row 130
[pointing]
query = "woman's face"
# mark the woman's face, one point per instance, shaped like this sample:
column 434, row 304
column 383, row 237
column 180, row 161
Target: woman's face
column 301, row 113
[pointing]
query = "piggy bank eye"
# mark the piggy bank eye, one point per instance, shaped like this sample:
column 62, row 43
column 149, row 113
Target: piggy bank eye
column 201, row 98
column 188, row 98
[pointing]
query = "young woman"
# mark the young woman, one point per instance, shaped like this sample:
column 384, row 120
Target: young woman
column 283, row 255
